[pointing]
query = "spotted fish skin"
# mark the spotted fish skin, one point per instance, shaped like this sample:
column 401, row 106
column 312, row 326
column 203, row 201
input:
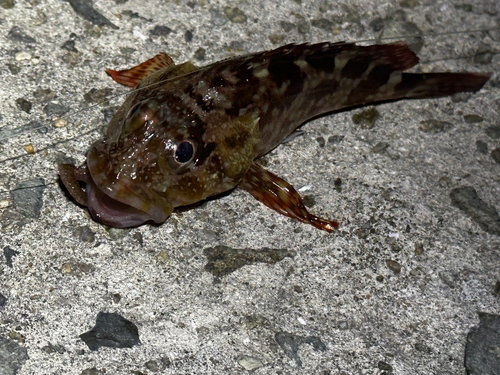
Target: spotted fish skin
column 188, row 133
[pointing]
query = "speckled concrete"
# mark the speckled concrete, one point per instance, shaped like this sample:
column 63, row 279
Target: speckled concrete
column 395, row 290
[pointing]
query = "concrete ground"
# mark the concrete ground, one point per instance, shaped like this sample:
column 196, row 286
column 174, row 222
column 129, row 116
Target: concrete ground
column 415, row 186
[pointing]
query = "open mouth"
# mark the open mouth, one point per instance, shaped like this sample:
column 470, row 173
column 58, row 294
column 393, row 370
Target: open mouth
column 107, row 209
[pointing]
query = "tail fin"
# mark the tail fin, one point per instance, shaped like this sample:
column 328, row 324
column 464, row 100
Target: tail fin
column 435, row 85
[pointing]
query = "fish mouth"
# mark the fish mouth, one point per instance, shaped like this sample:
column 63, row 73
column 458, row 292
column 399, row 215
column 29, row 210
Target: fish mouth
column 114, row 213
column 121, row 203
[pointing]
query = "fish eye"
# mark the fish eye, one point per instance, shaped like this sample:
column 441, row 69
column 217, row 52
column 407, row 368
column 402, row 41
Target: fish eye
column 184, row 152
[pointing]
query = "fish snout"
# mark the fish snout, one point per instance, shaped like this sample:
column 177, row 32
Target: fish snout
column 120, row 201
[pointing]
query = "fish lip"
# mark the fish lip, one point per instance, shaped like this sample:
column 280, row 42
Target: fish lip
column 122, row 202
column 112, row 212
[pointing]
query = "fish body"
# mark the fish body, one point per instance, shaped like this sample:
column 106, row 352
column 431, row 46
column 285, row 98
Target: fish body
column 188, row 133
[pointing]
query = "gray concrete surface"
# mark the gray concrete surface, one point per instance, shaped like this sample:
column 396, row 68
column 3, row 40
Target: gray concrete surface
column 395, row 290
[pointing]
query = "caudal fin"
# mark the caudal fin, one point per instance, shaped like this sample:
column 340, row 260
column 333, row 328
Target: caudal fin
column 435, row 85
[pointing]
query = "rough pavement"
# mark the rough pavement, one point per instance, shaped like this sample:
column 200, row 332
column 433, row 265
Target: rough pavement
column 415, row 185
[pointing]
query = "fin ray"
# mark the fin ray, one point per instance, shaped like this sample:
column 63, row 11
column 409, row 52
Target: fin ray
column 133, row 76
column 280, row 196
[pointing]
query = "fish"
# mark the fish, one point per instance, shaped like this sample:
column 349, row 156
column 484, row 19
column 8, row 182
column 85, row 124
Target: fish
column 188, row 133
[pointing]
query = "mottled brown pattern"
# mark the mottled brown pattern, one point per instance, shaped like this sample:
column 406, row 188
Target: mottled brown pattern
column 188, row 133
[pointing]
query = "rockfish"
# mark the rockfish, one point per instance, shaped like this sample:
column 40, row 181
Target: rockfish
column 188, row 133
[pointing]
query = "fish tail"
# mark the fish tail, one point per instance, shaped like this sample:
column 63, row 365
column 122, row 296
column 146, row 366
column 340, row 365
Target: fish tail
column 435, row 85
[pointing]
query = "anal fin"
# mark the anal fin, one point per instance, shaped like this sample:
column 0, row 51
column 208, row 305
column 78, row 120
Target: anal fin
column 280, row 196
column 133, row 76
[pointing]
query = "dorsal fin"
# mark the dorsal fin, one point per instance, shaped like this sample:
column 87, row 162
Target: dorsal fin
column 133, row 76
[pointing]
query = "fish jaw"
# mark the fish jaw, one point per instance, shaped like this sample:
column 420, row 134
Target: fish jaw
column 116, row 214
column 103, row 207
column 119, row 201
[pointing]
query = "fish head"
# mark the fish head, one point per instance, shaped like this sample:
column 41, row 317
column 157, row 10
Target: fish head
column 159, row 155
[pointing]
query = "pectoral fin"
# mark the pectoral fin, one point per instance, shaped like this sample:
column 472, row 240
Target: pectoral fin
column 279, row 195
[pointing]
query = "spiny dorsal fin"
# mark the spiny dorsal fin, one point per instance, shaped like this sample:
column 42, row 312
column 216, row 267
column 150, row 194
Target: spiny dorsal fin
column 133, row 76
